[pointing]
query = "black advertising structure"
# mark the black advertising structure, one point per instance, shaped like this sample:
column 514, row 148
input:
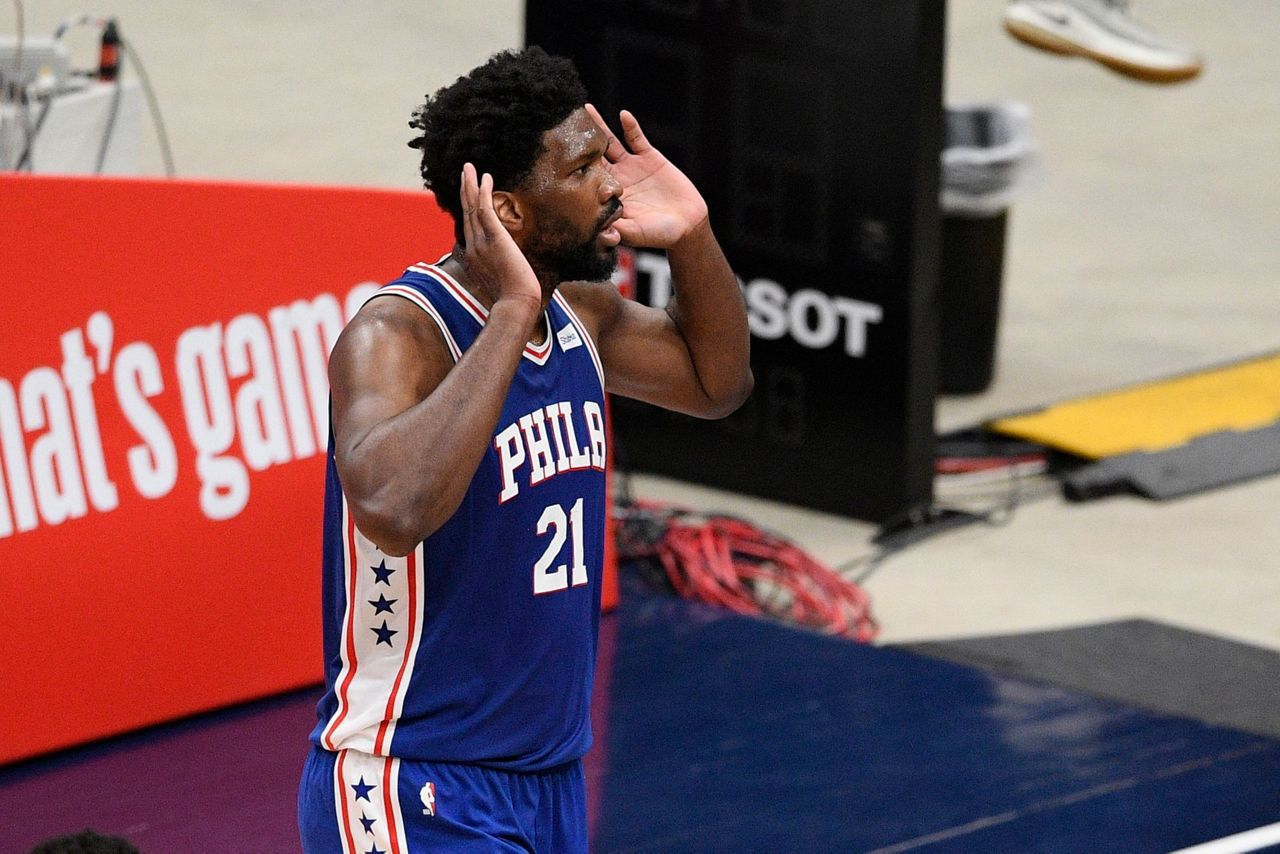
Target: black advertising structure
column 813, row 128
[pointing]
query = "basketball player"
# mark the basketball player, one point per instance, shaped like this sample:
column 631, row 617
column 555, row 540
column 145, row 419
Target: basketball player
column 464, row 514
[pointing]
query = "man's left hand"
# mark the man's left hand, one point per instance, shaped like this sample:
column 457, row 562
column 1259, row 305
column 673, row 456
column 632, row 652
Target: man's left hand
column 660, row 205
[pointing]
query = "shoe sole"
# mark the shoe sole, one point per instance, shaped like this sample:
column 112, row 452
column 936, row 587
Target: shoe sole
column 1038, row 38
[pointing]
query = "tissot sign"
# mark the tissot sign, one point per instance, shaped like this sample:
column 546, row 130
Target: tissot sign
column 807, row 316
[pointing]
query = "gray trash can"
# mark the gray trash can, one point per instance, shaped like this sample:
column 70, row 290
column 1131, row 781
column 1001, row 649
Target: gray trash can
column 988, row 160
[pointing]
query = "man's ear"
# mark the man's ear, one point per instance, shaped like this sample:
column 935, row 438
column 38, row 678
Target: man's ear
column 509, row 210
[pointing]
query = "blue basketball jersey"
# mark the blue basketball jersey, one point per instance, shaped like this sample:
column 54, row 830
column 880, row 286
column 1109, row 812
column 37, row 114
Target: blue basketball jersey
column 479, row 646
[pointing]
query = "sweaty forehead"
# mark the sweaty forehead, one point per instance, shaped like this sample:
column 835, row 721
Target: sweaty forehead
column 571, row 139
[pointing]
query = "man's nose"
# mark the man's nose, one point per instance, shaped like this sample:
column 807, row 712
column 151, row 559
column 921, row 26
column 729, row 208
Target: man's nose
column 609, row 187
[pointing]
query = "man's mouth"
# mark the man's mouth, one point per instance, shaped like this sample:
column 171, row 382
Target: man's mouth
column 608, row 233
column 613, row 216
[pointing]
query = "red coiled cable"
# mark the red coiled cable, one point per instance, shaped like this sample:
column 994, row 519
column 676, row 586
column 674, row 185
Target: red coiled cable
column 731, row 563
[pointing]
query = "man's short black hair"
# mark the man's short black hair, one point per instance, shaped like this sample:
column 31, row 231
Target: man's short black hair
column 493, row 117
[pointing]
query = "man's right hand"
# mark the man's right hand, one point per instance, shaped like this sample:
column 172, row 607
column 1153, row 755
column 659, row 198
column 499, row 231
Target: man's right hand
column 491, row 257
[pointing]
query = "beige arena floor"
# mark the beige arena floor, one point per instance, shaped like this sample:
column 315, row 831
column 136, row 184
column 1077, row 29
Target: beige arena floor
column 1151, row 248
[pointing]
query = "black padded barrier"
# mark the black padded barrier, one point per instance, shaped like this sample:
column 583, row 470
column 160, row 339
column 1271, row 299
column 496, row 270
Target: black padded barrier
column 813, row 127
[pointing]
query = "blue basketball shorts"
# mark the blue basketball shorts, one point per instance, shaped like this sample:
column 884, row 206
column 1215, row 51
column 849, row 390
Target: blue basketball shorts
column 353, row 803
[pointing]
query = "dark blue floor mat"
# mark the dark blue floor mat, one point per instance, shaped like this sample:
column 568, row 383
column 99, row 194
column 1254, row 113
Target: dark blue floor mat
column 723, row 733
column 729, row 734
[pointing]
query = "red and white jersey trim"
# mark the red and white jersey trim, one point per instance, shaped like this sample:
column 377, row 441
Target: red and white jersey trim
column 586, row 336
column 381, row 630
column 423, row 303
column 536, row 353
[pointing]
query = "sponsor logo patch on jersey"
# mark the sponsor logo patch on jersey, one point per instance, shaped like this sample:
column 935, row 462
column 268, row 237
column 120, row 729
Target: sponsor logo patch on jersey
column 569, row 338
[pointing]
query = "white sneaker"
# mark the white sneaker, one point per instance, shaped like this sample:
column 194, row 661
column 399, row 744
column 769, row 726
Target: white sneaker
column 1103, row 31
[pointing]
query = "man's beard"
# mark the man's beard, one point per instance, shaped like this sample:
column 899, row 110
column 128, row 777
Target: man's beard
column 576, row 262
column 585, row 263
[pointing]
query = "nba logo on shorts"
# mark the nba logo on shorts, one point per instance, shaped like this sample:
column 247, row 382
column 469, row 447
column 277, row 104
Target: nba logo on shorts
column 428, row 795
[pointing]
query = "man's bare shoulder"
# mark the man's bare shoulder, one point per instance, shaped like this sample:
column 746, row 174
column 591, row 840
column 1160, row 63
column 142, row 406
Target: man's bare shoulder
column 390, row 338
column 598, row 304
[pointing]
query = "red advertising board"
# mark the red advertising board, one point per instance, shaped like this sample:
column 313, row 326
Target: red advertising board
column 163, row 419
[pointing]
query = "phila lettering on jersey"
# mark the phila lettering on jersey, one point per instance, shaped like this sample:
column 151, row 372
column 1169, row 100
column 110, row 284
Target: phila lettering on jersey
column 479, row 646
column 544, row 443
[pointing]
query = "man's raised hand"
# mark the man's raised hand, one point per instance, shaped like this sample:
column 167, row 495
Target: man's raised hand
column 491, row 258
column 660, row 204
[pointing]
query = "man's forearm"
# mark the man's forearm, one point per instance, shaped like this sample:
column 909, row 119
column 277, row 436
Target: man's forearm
column 710, row 313
column 423, row 459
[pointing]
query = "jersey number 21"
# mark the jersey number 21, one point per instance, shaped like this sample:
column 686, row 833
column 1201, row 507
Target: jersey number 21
column 560, row 526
